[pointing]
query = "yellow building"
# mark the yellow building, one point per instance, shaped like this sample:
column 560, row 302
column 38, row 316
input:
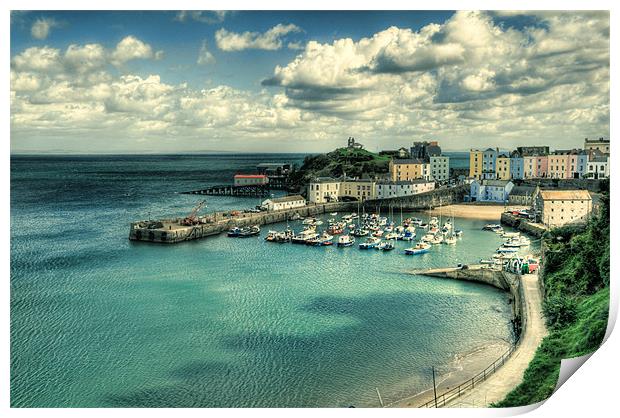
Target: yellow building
column 502, row 167
column 358, row 189
column 408, row 169
column 475, row 163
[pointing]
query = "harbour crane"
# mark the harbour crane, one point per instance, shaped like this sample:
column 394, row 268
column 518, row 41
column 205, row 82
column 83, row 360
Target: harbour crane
column 191, row 219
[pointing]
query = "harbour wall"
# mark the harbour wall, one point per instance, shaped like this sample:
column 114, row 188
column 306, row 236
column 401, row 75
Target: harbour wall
column 497, row 278
column 171, row 232
column 434, row 198
column 523, row 225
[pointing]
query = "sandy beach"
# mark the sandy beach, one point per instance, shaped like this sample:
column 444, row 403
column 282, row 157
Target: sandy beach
column 491, row 212
column 464, row 366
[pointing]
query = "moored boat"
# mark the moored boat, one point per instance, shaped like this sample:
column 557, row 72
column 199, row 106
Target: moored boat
column 371, row 242
column 419, row 248
column 345, row 241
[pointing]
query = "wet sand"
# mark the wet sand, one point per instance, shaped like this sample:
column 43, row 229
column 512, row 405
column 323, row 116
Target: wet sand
column 463, row 367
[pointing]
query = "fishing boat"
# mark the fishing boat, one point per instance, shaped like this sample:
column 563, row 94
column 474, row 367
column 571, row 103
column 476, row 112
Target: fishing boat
column 249, row 232
column 309, row 221
column 334, row 214
column 458, row 232
column 335, row 229
column 385, row 246
column 371, row 242
column 378, row 233
column 491, row 227
column 419, row 248
column 304, row 236
column 234, row 232
column 507, row 250
column 345, row 241
column 271, row 236
column 511, row 234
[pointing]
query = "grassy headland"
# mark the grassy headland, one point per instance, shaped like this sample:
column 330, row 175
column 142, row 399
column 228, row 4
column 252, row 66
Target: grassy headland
column 576, row 304
column 352, row 162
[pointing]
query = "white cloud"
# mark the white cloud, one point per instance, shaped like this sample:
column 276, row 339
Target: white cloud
column 210, row 17
column 42, row 27
column 270, row 40
column 130, row 48
column 204, row 56
column 467, row 82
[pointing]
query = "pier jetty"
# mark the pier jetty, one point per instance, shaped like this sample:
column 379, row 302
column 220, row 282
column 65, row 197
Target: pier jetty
column 254, row 190
column 171, row 231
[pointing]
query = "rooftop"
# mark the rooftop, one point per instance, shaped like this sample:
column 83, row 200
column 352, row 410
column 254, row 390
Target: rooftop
column 292, row 198
column 522, row 190
column 250, row 176
column 495, row 183
column 408, row 161
column 565, row 195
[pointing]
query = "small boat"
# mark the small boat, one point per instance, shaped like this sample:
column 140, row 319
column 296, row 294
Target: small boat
column 450, row 240
column 378, row 233
column 458, row 232
column 517, row 242
column 304, row 236
column 370, row 242
column 334, row 214
column 234, row 232
column 309, row 221
column 271, row 236
column 507, row 250
column 335, row 229
column 249, row 232
column 345, row 241
column 511, row 234
column 359, row 232
column 491, row 227
column 428, row 238
column 419, row 248
column 391, row 236
column 408, row 236
column 438, row 239
column 386, row 246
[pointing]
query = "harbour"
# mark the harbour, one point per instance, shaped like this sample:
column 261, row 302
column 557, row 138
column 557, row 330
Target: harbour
column 243, row 310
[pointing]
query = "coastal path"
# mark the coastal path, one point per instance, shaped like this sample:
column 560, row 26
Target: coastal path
column 509, row 376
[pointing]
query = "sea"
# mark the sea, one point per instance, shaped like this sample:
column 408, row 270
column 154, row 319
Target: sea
column 99, row 321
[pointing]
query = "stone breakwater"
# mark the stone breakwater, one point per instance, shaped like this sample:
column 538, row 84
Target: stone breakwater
column 170, row 231
column 523, row 225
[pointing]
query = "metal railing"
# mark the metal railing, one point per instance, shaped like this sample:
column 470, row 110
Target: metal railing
column 457, row 391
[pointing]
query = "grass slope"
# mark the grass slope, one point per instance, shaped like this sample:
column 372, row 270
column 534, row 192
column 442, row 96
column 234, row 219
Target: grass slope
column 576, row 305
column 352, row 162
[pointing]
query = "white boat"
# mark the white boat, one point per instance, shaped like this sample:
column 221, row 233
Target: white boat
column 385, row 246
column 345, row 241
column 450, row 240
column 370, row 242
column 334, row 214
column 419, row 248
column 308, row 221
column 428, row 238
column 511, row 234
column 507, row 250
column 391, row 236
column 438, row 239
column 517, row 242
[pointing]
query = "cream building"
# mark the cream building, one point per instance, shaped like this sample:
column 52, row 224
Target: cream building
column 600, row 144
column 358, row 189
column 556, row 208
column 408, row 169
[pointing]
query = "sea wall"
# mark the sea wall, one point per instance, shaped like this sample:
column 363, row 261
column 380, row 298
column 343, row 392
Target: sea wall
column 421, row 201
column 523, row 225
column 221, row 223
column 497, row 278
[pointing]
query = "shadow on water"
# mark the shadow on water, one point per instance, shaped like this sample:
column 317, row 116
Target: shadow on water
column 306, row 370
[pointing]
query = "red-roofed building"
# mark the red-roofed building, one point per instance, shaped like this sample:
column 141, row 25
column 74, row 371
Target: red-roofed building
column 251, row 180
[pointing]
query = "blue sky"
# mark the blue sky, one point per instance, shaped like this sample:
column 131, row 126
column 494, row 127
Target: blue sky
column 134, row 81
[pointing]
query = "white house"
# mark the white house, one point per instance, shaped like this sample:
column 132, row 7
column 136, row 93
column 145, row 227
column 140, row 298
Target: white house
column 490, row 190
column 597, row 166
column 388, row 189
column 286, row 202
column 323, row 190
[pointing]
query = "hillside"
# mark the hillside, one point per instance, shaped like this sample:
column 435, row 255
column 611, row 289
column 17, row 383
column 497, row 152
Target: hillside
column 576, row 280
column 352, row 162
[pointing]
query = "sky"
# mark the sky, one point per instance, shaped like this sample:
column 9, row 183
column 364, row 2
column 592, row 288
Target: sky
column 278, row 81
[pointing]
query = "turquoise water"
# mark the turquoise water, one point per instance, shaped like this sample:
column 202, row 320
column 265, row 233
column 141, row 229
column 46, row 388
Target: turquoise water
column 97, row 320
